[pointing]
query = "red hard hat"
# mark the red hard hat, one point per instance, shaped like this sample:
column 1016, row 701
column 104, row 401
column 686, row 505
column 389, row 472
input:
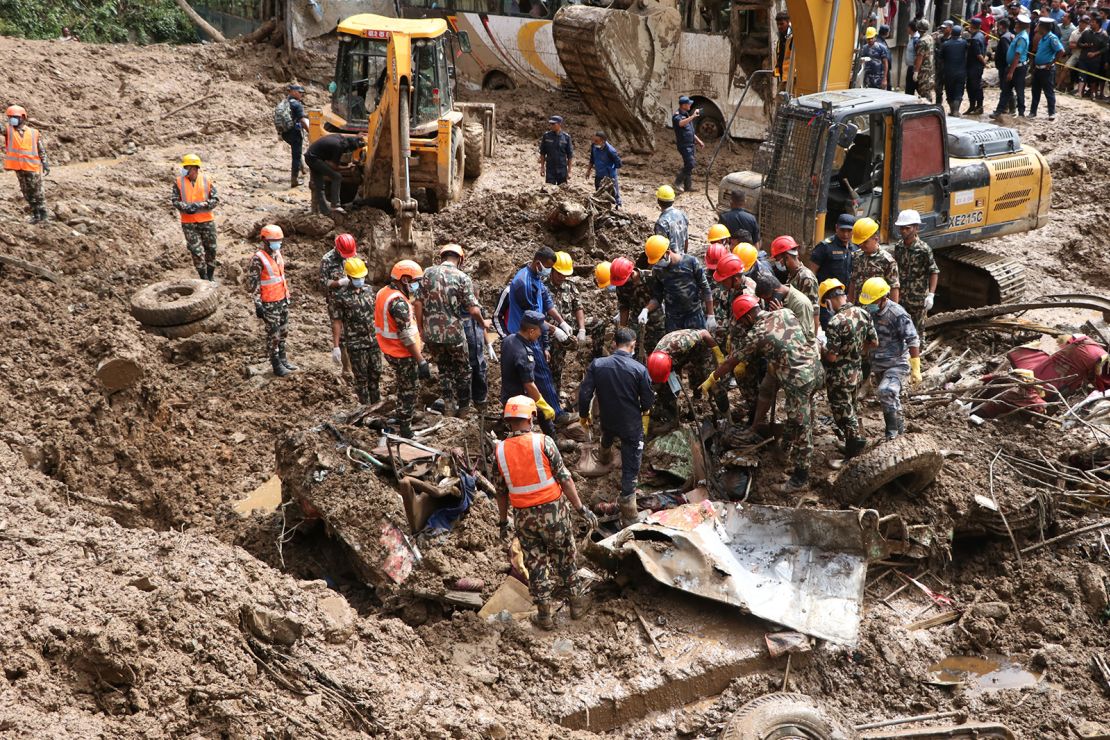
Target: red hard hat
column 659, row 366
column 783, row 244
column 728, row 266
column 346, row 245
column 621, row 270
column 714, row 254
column 742, row 305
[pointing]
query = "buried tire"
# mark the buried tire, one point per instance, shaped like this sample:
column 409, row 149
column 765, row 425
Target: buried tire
column 785, row 715
column 211, row 323
column 904, row 466
column 175, row 302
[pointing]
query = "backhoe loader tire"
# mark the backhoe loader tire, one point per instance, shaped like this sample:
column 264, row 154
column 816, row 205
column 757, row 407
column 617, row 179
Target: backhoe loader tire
column 710, row 125
column 786, row 715
column 474, row 139
column 903, row 467
column 458, row 165
column 210, row 324
column 175, row 302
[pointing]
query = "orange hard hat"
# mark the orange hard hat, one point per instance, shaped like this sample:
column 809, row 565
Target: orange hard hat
column 272, row 232
column 714, row 255
column 346, row 245
column 747, row 253
column 621, row 270
column 519, row 407
column 15, row 110
column 406, row 268
column 659, row 366
column 783, row 244
column 603, row 274
column 742, row 305
column 454, row 249
column 728, row 266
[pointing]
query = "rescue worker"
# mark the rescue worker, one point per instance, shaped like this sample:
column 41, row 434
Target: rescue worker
column 680, row 286
column 624, row 397
column 534, row 480
column 683, row 122
column 832, row 258
column 569, row 303
column 850, row 334
column 672, row 222
column 194, row 196
column 784, row 48
column 635, row 286
column 518, row 367
column 776, row 295
column 752, row 265
column 692, row 350
column 785, row 259
column 897, row 354
column 737, row 218
column 266, row 280
column 25, row 155
column 333, row 275
column 325, row 165
column 718, row 239
column 605, row 161
column 977, row 58
column 729, row 276
column 954, row 56
column 556, row 153
column 872, row 260
column 778, row 337
column 294, row 135
column 924, row 62
column 917, row 270
column 876, row 60
column 1012, row 79
column 398, row 337
column 353, row 324
column 449, row 303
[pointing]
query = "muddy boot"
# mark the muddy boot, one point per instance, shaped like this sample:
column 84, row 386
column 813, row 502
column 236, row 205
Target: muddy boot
column 42, row 215
column 209, row 271
column 279, row 370
column 890, row 417
column 404, row 429
column 630, row 513
column 463, row 411
column 798, row 481
column 33, row 218
column 580, row 606
column 294, row 180
column 901, row 424
column 285, row 361
column 854, row 446
column 202, row 273
column 605, row 455
column 544, row 618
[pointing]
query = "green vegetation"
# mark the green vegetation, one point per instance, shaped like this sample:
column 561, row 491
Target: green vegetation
column 97, row 21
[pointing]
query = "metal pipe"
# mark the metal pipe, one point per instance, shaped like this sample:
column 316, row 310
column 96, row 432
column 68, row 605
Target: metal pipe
column 829, row 46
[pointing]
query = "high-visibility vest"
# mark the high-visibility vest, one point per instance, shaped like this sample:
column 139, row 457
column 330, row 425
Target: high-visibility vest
column 272, row 284
column 389, row 338
column 22, row 150
column 527, row 471
column 194, row 193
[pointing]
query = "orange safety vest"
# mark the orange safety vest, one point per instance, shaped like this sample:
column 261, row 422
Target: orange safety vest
column 22, row 150
column 389, row 339
column 197, row 192
column 272, row 284
column 527, row 471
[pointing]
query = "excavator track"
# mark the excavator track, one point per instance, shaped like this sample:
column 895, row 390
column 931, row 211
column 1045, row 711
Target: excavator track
column 972, row 277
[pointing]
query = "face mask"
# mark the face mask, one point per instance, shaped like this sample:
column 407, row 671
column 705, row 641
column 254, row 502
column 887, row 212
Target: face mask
column 14, row 121
column 872, row 308
column 357, row 282
column 611, row 289
column 545, row 271
column 779, row 265
column 275, row 246
column 183, row 172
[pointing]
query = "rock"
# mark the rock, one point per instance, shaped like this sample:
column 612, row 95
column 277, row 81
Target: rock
column 271, row 626
column 1093, row 584
column 496, row 731
column 117, row 373
column 1052, row 655
column 143, row 584
column 338, row 617
column 995, row 610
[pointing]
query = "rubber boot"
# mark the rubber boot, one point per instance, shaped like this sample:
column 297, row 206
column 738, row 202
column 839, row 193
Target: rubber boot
column 799, row 479
column 209, row 271
column 279, row 370
column 463, row 411
column 285, row 360
column 43, row 216
column 630, row 513
column 404, row 429
column 544, row 618
column 901, row 424
column 890, row 417
column 605, row 455
column 294, row 180
column 580, row 606
column 34, row 218
column 854, row 446
column 202, row 272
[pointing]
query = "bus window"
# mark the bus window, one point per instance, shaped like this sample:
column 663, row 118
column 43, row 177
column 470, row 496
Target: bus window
column 359, row 77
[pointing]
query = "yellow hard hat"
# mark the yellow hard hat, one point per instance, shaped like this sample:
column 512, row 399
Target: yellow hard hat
column 664, row 192
column 864, row 229
column 602, row 273
column 564, row 265
column 190, row 160
column 519, row 407
column 747, row 253
column 873, row 289
column 656, row 247
column 871, row 32
column 826, row 286
column 355, row 267
column 717, row 232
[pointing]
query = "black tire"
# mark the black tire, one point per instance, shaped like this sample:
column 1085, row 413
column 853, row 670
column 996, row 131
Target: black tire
column 904, row 466
column 474, row 139
column 175, row 302
column 498, row 81
column 211, row 323
column 710, row 126
column 782, row 715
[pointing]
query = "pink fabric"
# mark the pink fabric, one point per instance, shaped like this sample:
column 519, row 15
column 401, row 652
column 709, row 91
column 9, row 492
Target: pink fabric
column 1079, row 357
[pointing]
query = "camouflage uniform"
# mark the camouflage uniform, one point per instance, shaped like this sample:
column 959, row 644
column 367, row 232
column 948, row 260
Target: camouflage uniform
column 547, row 537
column 30, row 183
column 806, row 282
column 633, row 299
column 275, row 314
column 673, row 224
column 848, row 332
column 890, row 363
column 568, row 301
column 915, row 266
column 798, row 304
column 200, row 238
column 448, row 295
column 925, row 78
column 865, row 266
column 355, row 309
column 682, row 289
column 331, row 268
column 688, row 352
column 778, row 337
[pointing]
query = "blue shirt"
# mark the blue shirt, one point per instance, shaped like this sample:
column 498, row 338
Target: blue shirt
column 623, row 390
column 683, row 135
column 1057, row 15
column 527, row 292
column 673, row 224
column 605, row 159
column 953, row 52
column 1048, row 48
column 896, row 335
column 738, row 219
column 517, row 366
column 833, row 259
column 557, row 150
column 1020, row 47
column 876, row 53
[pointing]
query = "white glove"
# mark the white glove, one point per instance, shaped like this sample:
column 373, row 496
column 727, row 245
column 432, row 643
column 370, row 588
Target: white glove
column 642, row 318
column 711, row 323
column 489, row 348
column 582, row 335
column 566, row 328
column 560, row 335
column 337, row 355
column 821, row 338
column 344, row 281
column 617, row 318
column 929, row 301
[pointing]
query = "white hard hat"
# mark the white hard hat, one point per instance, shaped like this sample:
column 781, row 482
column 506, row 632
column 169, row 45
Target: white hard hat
column 908, row 217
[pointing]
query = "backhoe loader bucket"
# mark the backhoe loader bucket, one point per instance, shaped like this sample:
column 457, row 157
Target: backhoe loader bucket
column 618, row 60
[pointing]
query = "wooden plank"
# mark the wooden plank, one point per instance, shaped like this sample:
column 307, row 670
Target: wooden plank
column 943, row 618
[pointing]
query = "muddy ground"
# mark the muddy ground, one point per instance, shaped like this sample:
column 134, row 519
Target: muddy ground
column 138, row 604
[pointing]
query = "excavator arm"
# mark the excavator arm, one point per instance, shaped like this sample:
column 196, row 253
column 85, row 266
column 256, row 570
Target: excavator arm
column 823, row 45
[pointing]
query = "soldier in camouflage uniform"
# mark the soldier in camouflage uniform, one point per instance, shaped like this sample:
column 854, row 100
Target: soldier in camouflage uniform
column 924, row 61
column 849, row 336
column 569, row 303
column 917, row 270
column 778, row 337
column 872, row 260
column 449, row 299
column 897, row 355
column 399, row 339
column 634, row 288
column 539, row 487
column 353, row 320
column 194, row 196
column 696, row 352
column 785, row 260
column 25, row 154
column 268, row 288
column 332, row 274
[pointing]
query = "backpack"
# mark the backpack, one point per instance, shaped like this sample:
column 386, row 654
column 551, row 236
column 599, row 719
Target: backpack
column 283, row 117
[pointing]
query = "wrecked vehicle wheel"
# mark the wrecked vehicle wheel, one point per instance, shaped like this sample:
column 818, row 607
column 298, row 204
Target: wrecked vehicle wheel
column 904, row 466
column 785, row 715
column 175, row 302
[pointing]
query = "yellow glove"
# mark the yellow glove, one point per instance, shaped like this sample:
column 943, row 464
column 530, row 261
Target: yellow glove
column 740, row 369
column 718, row 354
column 915, row 370
column 545, row 409
column 646, row 418
column 585, row 421
column 708, row 384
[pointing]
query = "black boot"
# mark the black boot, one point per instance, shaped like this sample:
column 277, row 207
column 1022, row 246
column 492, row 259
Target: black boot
column 799, row 479
column 209, row 271
column 854, row 446
column 279, row 370
column 285, row 360
column 890, row 417
column 202, row 273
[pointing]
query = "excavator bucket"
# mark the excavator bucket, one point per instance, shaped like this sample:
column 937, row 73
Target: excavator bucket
column 618, row 60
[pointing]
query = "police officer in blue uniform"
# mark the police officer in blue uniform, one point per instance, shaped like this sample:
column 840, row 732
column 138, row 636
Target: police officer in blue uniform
column 832, row 258
column 686, row 140
column 556, row 153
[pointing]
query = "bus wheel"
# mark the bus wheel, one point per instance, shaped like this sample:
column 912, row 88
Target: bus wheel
column 711, row 125
column 497, row 81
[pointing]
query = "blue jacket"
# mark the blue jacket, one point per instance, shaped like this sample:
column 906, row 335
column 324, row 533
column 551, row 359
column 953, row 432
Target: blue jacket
column 605, row 159
column 527, row 292
column 624, row 394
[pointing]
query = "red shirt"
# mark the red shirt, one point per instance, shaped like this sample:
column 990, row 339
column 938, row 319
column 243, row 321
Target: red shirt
column 987, row 22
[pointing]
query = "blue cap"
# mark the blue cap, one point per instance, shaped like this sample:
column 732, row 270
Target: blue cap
column 846, row 221
column 532, row 318
column 555, row 119
column 685, row 100
column 976, row 21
